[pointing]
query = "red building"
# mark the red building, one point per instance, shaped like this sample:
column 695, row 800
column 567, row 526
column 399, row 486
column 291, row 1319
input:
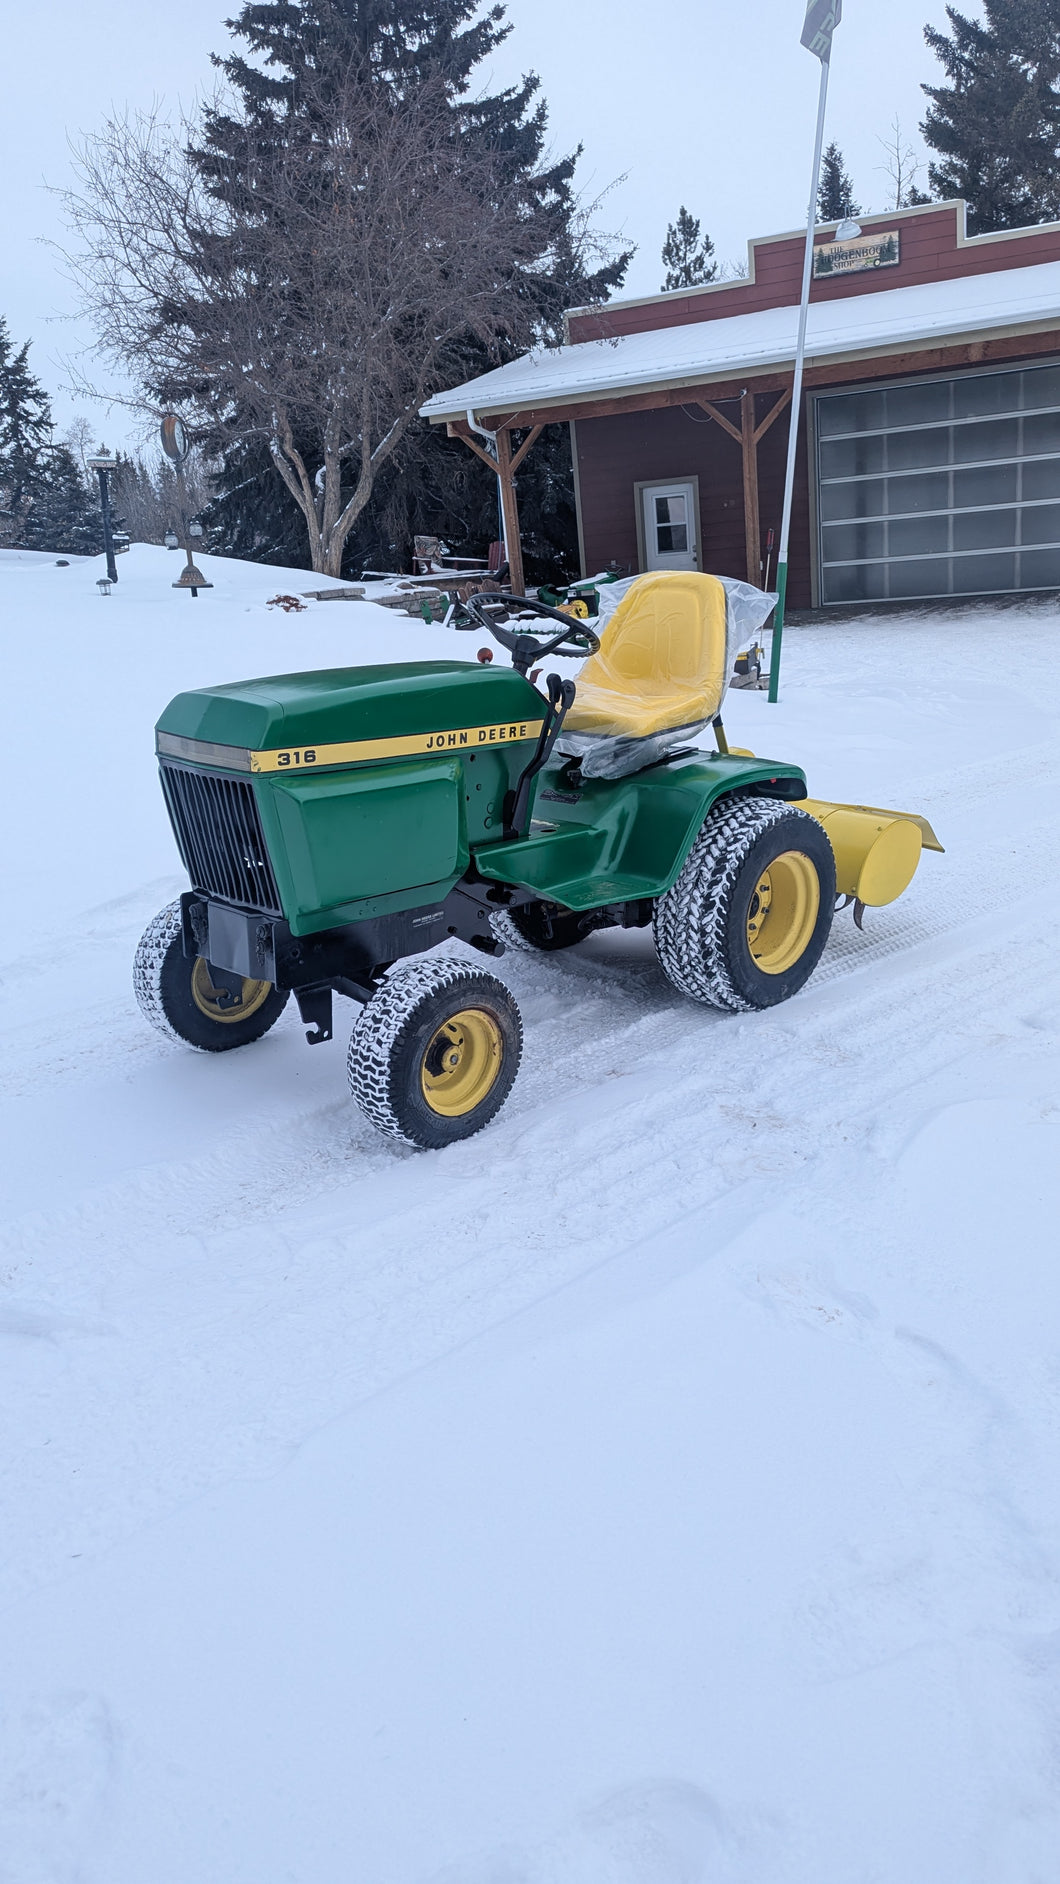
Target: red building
column 929, row 447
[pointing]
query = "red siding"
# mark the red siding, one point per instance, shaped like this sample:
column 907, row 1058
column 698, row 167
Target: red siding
column 929, row 252
column 638, row 447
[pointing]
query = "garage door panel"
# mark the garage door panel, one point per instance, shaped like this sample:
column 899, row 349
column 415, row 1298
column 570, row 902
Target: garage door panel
column 926, row 576
column 909, row 451
column 986, row 484
column 985, row 438
column 941, row 487
column 981, row 393
column 1041, row 432
column 984, row 529
column 855, row 542
column 853, row 457
column 1040, row 569
column 979, row 575
column 1041, row 523
column 1041, row 479
column 917, row 536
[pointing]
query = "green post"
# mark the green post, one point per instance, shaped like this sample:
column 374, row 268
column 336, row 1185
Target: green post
column 778, row 632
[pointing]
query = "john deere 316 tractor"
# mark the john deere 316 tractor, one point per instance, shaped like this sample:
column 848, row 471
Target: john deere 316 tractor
column 335, row 824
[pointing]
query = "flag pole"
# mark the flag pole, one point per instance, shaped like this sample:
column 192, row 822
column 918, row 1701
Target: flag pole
column 821, row 43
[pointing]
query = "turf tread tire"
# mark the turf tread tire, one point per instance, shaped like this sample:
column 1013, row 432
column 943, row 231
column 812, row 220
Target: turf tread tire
column 162, row 983
column 695, row 926
column 411, row 1001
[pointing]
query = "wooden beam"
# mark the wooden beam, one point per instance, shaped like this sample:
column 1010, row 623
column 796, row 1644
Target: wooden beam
column 510, row 511
column 752, row 528
column 726, row 424
column 782, row 403
column 525, row 447
column 461, row 432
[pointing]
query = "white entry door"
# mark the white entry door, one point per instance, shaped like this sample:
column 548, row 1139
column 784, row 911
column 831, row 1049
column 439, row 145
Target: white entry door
column 669, row 517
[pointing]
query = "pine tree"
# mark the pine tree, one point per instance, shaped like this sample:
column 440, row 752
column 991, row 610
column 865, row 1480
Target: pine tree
column 43, row 500
column 996, row 121
column 687, row 260
column 25, row 433
column 64, row 516
column 835, row 194
column 433, row 484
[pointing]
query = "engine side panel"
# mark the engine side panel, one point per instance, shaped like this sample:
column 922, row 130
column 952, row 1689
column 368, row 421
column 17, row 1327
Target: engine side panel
column 342, row 840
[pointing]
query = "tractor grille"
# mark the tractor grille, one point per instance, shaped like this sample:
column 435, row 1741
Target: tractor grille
column 219, row 835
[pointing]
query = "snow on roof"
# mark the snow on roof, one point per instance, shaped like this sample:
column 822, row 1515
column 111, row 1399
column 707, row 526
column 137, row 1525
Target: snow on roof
column 890, row 319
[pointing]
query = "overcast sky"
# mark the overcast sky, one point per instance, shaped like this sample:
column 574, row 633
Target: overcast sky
column 694, row 101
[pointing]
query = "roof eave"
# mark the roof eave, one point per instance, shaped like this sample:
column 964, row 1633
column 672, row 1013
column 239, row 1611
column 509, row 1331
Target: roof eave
column 741, row 370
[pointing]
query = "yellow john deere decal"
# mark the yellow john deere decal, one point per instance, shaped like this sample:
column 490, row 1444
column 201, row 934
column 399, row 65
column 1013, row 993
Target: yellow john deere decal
column 355, row 751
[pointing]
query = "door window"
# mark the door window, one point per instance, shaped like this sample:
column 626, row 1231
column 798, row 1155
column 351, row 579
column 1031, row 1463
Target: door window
column 669, row 517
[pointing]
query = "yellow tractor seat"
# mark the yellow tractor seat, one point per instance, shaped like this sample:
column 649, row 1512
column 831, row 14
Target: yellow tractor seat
column 662, row 661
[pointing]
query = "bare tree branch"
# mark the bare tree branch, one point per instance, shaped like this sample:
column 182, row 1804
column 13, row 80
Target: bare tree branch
column 315, row 300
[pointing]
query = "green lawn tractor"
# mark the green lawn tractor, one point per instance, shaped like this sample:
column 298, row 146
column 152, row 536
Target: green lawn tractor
column 336, row 826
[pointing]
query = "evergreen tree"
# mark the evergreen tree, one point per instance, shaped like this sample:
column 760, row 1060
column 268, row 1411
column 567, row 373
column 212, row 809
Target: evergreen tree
column 65, row 515
column 995, row 122
column 43, row 500
column 835, row 194
column 432, row 484
column 25, row 433
column 687, row 260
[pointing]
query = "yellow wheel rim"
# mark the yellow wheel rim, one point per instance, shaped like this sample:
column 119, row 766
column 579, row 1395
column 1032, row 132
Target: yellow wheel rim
column 461, row 1065
column 208, row 999
column 783, row 912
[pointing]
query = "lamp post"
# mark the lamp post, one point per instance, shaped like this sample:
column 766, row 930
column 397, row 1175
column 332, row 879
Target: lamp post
column 176, row 444
column 822, row 18
column 102, row 464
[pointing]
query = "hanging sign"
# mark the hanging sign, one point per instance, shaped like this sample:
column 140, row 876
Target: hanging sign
column 175, row 441
column 822, row 18
column 864, row 251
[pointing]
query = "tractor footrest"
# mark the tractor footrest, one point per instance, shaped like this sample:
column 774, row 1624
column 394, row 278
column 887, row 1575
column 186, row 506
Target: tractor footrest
column 564, row 867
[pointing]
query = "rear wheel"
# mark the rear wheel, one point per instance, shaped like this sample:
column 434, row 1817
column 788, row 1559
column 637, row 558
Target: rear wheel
column 746, row 922
column 182, row 999
column 433, row 1055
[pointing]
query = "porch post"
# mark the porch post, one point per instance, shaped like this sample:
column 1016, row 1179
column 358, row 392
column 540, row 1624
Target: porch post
column 751, row 524
column 513, row 547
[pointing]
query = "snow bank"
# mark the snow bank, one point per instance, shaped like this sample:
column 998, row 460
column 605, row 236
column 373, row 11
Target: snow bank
column 658, row 1488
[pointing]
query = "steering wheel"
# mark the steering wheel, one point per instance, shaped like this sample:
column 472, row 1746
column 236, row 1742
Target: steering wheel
column 492, row 608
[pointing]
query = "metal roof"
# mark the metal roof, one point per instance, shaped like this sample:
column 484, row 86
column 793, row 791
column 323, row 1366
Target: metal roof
column 888, row 320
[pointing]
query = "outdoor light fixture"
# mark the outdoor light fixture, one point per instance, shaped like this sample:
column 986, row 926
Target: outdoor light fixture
column 847, row 230
column 101, row 464
column 103, row 585
column 171, row 539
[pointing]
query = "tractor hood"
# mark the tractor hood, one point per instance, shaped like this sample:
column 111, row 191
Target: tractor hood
column 344, row 715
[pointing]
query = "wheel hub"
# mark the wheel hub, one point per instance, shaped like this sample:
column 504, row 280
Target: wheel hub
column 783, row 911
column 461, row 1063
column 217, row 1004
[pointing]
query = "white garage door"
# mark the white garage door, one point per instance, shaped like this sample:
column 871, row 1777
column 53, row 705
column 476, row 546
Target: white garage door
column 940, row 487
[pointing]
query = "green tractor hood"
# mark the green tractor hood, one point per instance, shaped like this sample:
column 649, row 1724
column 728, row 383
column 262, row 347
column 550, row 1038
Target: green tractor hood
column 371, row 785
column 416, row 707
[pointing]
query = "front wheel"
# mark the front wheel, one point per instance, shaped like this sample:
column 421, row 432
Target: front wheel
column 434, row 1053
column 745, row 924
column 181, row 1000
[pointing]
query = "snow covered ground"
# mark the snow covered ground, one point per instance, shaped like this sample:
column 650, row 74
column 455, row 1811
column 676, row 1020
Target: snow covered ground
column 660, row 1488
